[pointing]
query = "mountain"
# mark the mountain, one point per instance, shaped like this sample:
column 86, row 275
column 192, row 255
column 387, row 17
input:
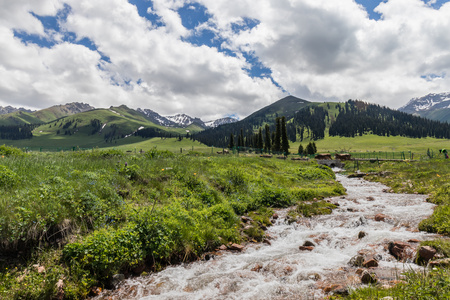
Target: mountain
column 183, row 120
column 218, row 122
column 59, row 111
column 9, row 109
column 156, row 118
column 27, row 117
column 432, row 106
column 288, row 107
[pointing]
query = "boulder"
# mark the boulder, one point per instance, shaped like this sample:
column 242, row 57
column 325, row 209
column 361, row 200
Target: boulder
column 413, row 241
column 223, row 247
column 309, row 244
column 246, row 219
column 380, row 217
column 236, row 247
column 370, row 198
column 356, row 261
column 368, row 277
column 445, row 262
column 401, row 250
column 361, row 234
column 426, row 253
column 370, row 263
column 275, row 216
column 266, row 241
column 306, row 248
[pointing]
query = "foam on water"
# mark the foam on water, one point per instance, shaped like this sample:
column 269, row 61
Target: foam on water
column 281, row 270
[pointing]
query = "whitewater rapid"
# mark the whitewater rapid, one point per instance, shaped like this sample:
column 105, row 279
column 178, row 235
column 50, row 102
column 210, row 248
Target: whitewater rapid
column 281, row 270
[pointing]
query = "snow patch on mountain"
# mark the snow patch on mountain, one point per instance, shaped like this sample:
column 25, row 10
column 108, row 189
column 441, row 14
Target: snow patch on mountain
column 426, row 103
column 218, row 122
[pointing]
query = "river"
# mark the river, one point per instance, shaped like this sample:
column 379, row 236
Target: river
column 281, row 270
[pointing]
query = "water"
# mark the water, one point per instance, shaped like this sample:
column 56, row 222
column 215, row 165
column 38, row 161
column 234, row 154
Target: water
column 281, row 270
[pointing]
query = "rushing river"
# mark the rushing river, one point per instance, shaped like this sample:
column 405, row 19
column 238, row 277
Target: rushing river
column 281, row 270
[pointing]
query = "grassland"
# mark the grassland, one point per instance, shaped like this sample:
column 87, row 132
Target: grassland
column 69, row 221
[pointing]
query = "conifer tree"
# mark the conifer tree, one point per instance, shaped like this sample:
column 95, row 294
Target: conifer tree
column 277, row 141
column 284, row 137
column 231, row 143
column 300, row 149
column 268, row 143
column 260, row 143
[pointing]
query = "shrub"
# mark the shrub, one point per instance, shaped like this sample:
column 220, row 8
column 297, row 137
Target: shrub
column 106, row 251
column 8, row 179
column 274, row 197
column 10, row 151
column 319, row 172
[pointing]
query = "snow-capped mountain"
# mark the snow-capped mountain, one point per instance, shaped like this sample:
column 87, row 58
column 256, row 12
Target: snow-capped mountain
column 184, row 120
column 431, row 106
column 157, row 118
column 219, row 122
column 9, row 109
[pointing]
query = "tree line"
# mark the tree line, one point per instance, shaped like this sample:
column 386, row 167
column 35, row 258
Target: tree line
column 20, row 132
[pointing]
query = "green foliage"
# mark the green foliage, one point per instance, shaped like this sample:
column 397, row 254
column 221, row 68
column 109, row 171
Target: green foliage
column 274, row 197
column 106, row 251
column 439, row 222
column 434, row 284
column 8, row 179
column 314, row 208
column 10, row 151
column 320, row 172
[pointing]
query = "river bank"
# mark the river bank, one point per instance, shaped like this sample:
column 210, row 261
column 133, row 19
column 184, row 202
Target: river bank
column 282, row 270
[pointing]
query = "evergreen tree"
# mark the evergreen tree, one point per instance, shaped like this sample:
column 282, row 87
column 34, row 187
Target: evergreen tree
column 284, row 137
column 231, row 143
column 260, row 143
column 277, row 141
column 300, row 149
column 314, row 147
column 268, row 142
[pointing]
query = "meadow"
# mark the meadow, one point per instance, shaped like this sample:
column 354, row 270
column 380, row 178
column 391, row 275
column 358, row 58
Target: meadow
column 70, row 221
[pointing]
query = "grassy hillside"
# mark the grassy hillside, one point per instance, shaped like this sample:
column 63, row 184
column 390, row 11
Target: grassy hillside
column 19, row 118
column 95, row 128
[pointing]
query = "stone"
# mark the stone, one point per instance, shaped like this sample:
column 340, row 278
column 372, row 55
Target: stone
column 309, row 244
column 257, row 268
column 306, row 248
column 445, row 262
column 368, row 277
column 266, row 241
column 356, row 261
column 359, row 271
column 236, row 247
column 331, row 288
column 137, row 270
column 275, row 216
column 370, row 263
column 370, row 198
column 223, row 247
column 401, row 250
column 426, row 253
column 246, row 219
column 413, row 241
column 361, row 234
column 380, row 217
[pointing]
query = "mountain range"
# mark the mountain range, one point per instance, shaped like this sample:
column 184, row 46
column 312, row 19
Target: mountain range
column 85, row 126
column 432, row 106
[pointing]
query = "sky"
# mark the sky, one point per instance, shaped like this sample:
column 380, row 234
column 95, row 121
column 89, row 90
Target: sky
column 218, row 58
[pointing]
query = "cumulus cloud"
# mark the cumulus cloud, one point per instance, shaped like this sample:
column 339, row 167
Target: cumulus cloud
column 314, row 49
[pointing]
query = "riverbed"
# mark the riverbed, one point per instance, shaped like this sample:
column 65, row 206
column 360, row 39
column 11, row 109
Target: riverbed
column 281, row 270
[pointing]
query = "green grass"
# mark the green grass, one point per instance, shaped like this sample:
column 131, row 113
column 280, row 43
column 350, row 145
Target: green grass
column 87, row 215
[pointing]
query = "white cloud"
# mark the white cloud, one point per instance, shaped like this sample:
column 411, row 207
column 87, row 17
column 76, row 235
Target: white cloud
column 316, row 49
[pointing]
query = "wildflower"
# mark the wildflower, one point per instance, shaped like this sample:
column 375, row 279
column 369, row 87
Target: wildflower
column 126, row 164
column 195, row 174
column 162, row 169
column 438, row 175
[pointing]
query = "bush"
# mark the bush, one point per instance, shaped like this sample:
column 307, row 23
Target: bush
column 8, row 179
column 319, row 172
column 274, row 197
column 106, row 251
column 10, row 151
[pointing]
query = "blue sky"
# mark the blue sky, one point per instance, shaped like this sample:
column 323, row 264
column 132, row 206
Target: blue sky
column 211, row 58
